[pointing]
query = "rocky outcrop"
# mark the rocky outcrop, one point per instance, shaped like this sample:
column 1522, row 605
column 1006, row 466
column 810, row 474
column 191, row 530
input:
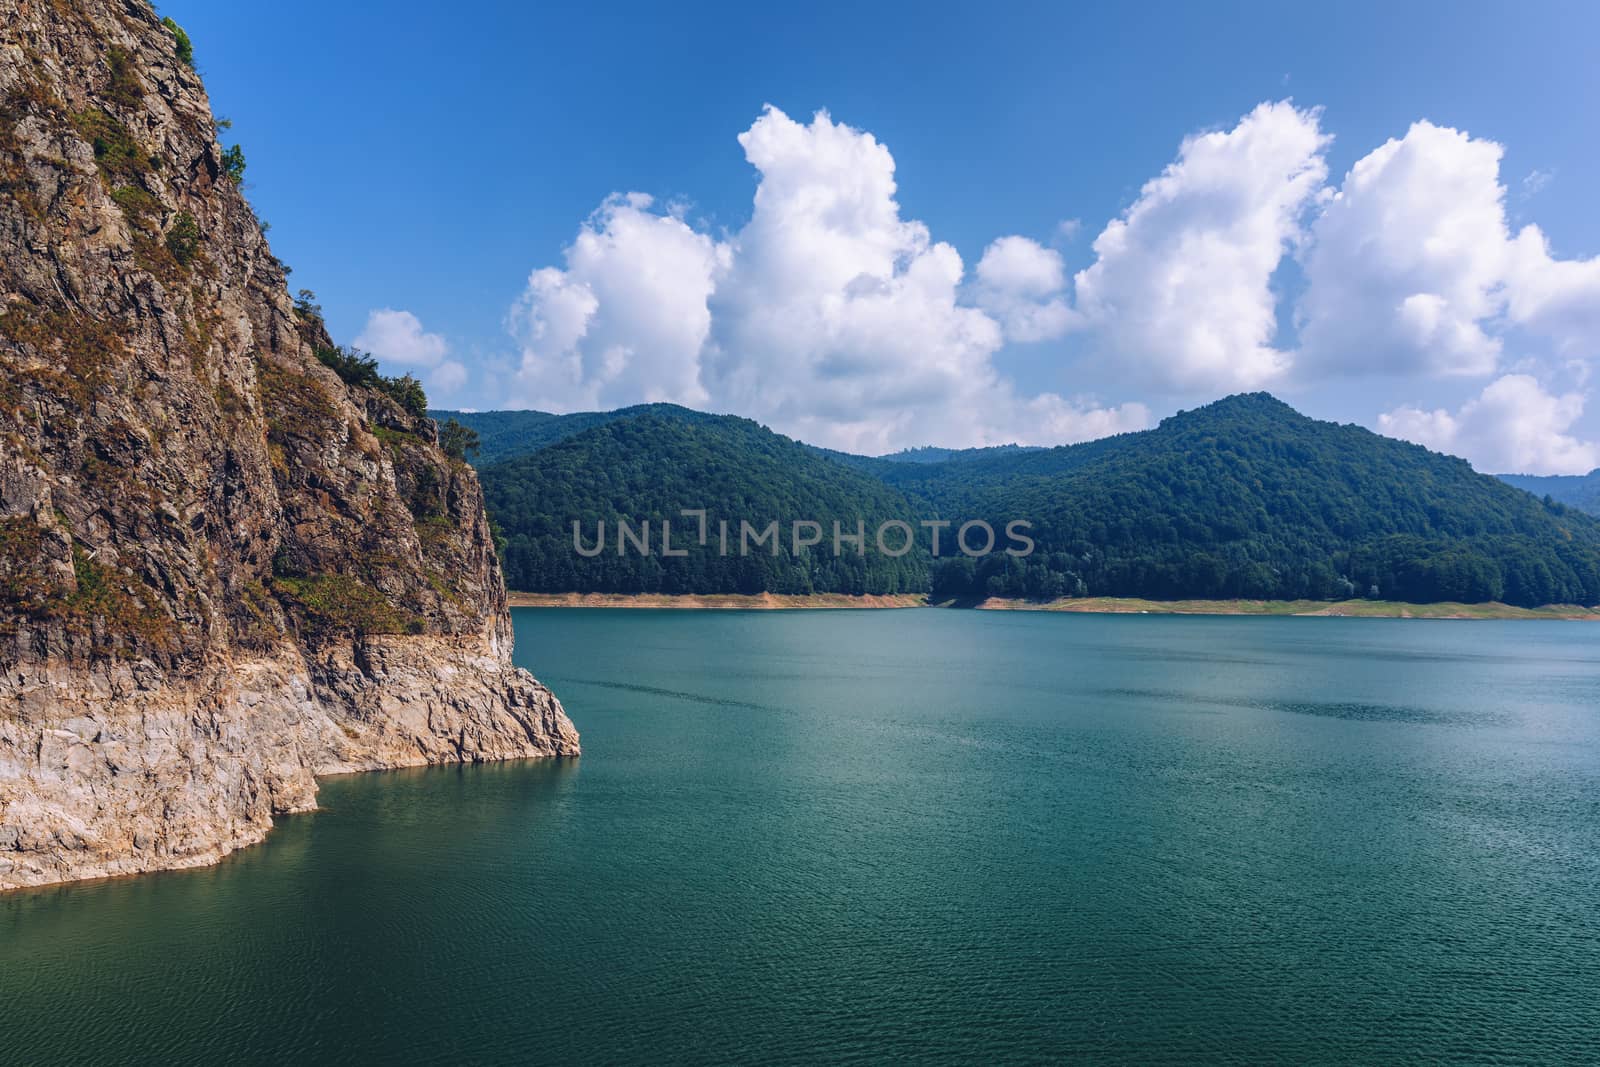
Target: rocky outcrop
column 230, row 558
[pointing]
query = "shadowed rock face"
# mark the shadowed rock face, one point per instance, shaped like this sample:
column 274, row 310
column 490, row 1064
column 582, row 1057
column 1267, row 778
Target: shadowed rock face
column 222, row 570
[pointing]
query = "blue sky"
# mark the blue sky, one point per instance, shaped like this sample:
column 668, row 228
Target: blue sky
column 428, row 160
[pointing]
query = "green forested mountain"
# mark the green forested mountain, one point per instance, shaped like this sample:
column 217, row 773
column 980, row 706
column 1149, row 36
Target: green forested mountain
column 504, row 435
column 649, row 466
column 1248, row 498
column 1242, row 498
column 1581, row 491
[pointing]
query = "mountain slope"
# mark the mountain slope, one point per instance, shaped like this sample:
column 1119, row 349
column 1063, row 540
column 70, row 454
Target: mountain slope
column 647, row 467
column 223, row 569
column 504, row 435
column 1581, row 491
column 1242, row 498
column 1248, row 498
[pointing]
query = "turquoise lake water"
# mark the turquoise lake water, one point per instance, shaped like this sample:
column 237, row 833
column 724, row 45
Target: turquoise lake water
column 949, row 836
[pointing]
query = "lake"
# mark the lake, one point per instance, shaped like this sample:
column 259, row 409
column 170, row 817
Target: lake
column 955, row 836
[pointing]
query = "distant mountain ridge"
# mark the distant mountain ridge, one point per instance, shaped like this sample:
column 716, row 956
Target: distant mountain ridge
column 1242, row 498
column 935, row 454
column 506, row 435
column 1581, row 491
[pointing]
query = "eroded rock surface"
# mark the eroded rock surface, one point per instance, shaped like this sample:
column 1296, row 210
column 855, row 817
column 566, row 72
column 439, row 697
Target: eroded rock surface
column 224, row 568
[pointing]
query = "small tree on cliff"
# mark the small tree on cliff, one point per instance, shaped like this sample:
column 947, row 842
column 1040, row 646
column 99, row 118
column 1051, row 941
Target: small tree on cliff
column 458, row 441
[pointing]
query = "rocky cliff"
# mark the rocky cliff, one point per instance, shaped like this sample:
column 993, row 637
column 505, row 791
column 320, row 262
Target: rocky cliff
column 224, row 567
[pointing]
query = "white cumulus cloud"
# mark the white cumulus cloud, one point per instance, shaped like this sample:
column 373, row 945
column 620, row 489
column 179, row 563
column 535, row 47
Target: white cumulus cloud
column 398, row 337
column 1557, row 298
column 626, row 320
column 832, row 316
column 828, row 314
column 1512, row 427
column 1180, row 294
column 1407, row 260
column 1413, row 268
column 1023, row 285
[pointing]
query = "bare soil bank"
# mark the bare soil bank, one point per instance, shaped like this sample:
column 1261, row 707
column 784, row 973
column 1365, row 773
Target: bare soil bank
column 1370, row 609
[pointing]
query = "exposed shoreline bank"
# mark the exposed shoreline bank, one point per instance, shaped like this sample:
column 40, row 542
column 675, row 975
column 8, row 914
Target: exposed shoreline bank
column 1365, row 609
column 716, row 601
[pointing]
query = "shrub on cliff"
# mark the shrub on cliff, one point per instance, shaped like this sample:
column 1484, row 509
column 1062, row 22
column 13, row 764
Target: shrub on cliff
column 124, row 87
column 407, row 392
column 116, row 153
column 233, row 164
column 185, row 47
column 355, row 367
column 183, row 240
column 305, row 305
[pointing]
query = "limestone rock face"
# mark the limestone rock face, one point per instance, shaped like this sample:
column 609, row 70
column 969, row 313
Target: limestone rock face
column 224, row 568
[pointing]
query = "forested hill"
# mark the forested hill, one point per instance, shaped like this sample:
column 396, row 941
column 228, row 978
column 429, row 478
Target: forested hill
column 1247, row 498
column 1242, row 498
column 1581, row 491
column 504, row 435
column 651, row 465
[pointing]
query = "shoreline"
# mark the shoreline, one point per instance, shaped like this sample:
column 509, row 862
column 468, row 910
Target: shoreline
column 1350, row 609
column 716, row 601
